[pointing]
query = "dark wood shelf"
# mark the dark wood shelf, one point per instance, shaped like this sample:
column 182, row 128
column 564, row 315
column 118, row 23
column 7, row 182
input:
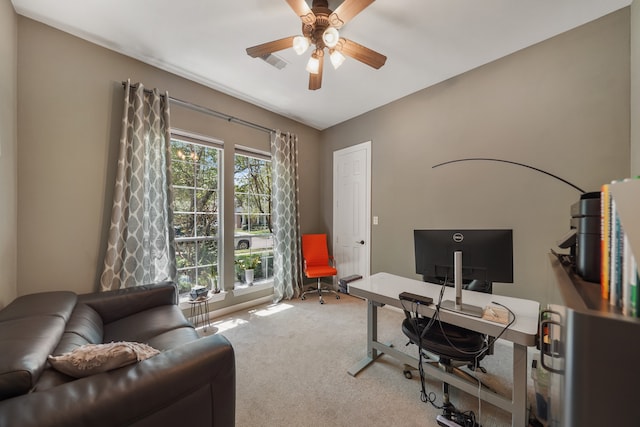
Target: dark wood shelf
column 592, row 345
column 580, row 295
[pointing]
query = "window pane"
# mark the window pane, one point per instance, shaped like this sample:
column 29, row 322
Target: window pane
column 182, row 173
column 207, row 224
column 208, row 262
column 183, row 224
column 208, row 255
column 253, row 240
column 207, row 200
column 196, row 190
column 182, row 199
column 186, row 280
column 185, row 254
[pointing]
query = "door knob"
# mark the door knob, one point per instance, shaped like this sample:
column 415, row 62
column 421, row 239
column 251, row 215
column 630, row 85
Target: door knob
column 361, row 242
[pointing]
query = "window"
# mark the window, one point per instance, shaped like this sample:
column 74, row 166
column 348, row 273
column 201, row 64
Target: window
column 195, row 171
column 253, row 235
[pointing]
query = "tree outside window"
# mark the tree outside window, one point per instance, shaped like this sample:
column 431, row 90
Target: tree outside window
column 253, row 235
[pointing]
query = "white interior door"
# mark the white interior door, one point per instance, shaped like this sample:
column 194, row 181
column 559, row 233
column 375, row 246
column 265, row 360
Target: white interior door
column 352, row 209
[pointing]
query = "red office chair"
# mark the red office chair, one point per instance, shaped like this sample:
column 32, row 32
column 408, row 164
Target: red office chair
column 317, row 263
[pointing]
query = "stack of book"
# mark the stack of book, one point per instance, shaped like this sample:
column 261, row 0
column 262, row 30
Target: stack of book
column 619, row 269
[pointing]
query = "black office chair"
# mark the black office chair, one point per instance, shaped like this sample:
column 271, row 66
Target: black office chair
column 452, row 345
column 445, row 345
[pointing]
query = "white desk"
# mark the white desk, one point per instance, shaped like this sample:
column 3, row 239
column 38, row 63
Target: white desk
column 383, row 288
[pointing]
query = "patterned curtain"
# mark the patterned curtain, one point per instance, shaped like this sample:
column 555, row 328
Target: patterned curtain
column 287, row 272
column 141, row 248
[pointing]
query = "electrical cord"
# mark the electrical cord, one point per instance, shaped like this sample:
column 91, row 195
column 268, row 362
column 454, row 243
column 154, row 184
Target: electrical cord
column 424, row 396
column 467, row 418
column 483, row 350
column 488, row 343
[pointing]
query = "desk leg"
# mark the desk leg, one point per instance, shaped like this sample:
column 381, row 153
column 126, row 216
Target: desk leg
column 372, row 329
column 519, row 398
column 372, row 336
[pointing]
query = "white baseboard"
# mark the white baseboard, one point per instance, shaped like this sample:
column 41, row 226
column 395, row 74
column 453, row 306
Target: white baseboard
column 237, row 307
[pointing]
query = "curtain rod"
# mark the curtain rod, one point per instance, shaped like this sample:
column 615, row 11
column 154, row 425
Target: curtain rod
column 214, row 113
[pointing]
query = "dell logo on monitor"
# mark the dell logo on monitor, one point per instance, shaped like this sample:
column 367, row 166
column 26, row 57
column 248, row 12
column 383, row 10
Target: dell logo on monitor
column 458, row 237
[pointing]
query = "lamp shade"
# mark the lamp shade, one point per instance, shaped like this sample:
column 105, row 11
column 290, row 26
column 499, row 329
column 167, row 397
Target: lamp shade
column 330, row 37
column 336, row 58
column 313, row 66
column 300, row 44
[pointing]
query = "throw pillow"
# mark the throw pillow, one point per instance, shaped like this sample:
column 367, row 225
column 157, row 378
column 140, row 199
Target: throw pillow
column 92, row 359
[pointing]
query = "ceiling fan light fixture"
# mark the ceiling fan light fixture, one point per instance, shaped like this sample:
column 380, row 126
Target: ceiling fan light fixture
column 336, row 58
column 313, row 66
column 300, row 44
column 330, row 37
column 320, row 27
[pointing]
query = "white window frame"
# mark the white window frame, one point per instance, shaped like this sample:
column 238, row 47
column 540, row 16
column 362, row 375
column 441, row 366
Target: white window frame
column 239, row 287
column 205, row 141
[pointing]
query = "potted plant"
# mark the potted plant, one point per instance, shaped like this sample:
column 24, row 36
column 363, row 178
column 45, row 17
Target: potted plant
column 214, row 280
column 248, row 264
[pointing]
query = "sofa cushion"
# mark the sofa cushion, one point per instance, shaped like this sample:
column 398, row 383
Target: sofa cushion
column 120, row 303
column 84, row 327
column 87, row 323
column 93, row 359
column 26, row 343
column 143, row 326
column 57, row 303
column 50, row 378
column 173, row 338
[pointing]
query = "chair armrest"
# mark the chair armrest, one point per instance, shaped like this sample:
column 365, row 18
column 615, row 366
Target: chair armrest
column 116, row 304
column 194, row 382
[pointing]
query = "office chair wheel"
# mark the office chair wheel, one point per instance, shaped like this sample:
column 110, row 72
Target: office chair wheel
column 302, row 297
column 321, row 301
column 407, row 374
column 337, row 296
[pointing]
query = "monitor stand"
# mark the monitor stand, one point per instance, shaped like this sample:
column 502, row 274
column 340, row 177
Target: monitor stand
column 457, row 305
column 468, row 309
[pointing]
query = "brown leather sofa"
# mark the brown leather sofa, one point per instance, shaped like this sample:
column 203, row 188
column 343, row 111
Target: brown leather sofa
column 191, row 382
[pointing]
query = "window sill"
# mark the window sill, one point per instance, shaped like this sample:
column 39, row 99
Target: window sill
column 256, row 287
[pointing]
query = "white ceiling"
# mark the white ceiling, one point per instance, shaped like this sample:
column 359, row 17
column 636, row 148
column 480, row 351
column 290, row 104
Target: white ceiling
column 425, row 41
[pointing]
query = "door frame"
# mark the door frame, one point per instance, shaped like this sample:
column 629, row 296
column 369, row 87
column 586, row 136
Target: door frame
column 367, row 208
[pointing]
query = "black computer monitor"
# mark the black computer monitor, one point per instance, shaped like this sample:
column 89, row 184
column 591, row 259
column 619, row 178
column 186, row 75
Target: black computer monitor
column 487, row 255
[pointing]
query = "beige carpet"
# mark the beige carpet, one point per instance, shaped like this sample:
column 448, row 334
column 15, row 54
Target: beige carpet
column 292, row 360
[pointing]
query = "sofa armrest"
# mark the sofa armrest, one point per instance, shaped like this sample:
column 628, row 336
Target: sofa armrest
column 193, row 383
column 114, row 305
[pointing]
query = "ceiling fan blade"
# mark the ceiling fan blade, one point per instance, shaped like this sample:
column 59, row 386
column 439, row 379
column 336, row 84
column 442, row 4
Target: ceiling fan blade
column 315, row 80
column 346, row 11
column 302, row 9
column 361, row 53
column 270, row 47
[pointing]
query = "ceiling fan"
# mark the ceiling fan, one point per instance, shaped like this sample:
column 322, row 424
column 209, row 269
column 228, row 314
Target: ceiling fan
column 320, row 27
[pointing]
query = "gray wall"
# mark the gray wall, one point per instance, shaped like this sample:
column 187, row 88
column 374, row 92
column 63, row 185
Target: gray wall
column 635, row 88
column 69, row 114
column 561, row 106
column 8, row 141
